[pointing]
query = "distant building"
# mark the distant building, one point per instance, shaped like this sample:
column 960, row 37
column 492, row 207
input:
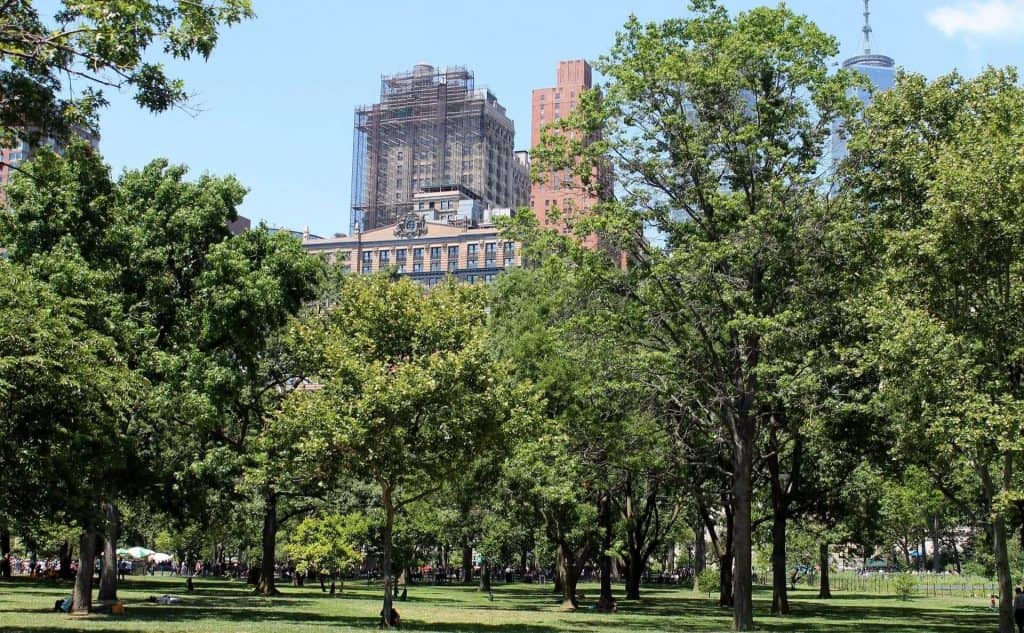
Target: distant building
column 432, row 128
column 440, row 239
column 560, row 197
column 879, row 69
column 11, row 158
column 239, row 225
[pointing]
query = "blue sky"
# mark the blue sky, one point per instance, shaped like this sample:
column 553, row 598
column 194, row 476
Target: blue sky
column 278, row 94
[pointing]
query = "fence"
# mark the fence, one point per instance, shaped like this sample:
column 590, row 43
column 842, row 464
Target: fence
column 926, row 585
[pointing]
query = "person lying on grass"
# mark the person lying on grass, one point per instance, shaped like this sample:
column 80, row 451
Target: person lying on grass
column 165, row 599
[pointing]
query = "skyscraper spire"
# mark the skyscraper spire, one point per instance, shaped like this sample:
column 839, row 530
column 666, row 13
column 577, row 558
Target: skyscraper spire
column 867, row 28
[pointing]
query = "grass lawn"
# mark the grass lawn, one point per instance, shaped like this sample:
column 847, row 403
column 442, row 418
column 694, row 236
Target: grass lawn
column 226, row 606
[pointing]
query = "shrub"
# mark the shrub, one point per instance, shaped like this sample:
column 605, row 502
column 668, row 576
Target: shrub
column 904, row 585
column 708, row 581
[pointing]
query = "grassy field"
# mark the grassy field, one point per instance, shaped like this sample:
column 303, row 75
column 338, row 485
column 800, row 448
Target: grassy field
column 225, row 606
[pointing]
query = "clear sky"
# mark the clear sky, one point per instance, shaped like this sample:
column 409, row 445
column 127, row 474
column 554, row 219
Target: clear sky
column 278, row 94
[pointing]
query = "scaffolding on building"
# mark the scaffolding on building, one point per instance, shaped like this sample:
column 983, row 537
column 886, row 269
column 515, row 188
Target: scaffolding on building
column 431, row 128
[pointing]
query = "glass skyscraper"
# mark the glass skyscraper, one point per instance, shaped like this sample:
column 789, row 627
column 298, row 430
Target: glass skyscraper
column 880, row 71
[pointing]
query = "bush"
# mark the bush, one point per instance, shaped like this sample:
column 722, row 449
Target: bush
column 708, row 581
column 904, row 585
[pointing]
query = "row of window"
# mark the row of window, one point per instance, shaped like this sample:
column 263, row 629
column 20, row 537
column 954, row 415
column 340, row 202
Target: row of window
column 430, row 282
column 401, row 255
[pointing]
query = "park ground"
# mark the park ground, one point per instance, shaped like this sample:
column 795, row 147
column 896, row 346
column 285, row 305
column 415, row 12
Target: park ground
column 228, row 606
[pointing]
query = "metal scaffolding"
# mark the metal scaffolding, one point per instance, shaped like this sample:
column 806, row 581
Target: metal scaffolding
column 431, row 128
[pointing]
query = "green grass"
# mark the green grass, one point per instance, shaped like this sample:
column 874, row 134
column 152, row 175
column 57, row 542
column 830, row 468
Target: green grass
column 225, row 606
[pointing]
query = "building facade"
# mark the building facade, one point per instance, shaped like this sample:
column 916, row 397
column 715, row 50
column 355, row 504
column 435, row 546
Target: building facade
column 432, row 128
column 423, row 250
column 11, row 158
column 448, row 231
column 559, row 197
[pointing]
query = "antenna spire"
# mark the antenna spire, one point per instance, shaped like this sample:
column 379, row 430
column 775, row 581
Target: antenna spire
column 867, row 28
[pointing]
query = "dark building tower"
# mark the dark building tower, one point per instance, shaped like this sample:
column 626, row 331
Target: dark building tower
column 432, row 128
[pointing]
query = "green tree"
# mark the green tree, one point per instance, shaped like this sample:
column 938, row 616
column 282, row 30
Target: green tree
column 329, row 543
column 937, row 166
column 409, row 394
column 102, row 45
column 715, row 127
column 192, row 310
column 247, row 354
column 67, row 403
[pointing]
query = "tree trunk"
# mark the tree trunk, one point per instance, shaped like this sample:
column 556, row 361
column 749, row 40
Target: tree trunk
column 999, row 544
column 269, row 543
column 485, row 576
column 82, row 596
column 700, row 548
column 634, row 575
column 725, row 563
column 606, row 601
column 743, row 607
column 824, row 590
column 389, row 526
column 65, row 560
column 5, row 550
column 936, row 546
column 956, row 554
column 570, row 577
column 108, row 579
column 467, row 563
column 780, row 599
column 556, row 580
column 524, row 553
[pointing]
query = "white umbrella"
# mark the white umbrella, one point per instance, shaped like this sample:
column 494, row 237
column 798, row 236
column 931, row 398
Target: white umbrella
column 139, row 552
column 160, row 558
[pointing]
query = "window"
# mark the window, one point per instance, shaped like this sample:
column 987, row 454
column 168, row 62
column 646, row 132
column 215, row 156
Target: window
column 490, row 262
column 471, row 263
column 491, row 248
column 417, row 267
column 488, row 278
column 471, row 250
column 401, row 155
column 382, row 259
column 401, row 269
column 453, row 253
column 471, row 279
column 399, row 254
column 435, row 252
column 435, row 267
column 417, row 254
column 509, row 262
column 510, row 249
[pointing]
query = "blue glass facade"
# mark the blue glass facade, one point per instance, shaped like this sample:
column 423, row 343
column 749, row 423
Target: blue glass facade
column 881, row 72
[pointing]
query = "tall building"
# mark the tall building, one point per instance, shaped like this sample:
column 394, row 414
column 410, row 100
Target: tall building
column 559, row 191
column 432, row 128
column 879, row 69
column 11, row 158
